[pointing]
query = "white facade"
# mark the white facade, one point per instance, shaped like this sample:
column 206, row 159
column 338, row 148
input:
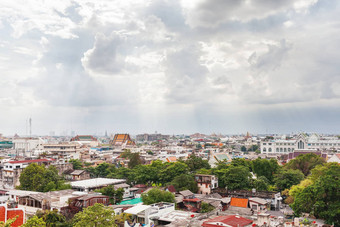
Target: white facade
column 302, row 142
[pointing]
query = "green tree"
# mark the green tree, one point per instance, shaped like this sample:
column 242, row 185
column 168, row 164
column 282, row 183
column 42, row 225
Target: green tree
column 172, row 170
column 243, row 148
column 322, row 197
column 116, row 196
column 286, row 178
column 253, row 147
column 235, row 177
column 185, row 182
column 134, row 160
column 93, row 216
column 35, row 222
column 37, row 178
column 195, row 163
column 76, row 163
column 206, row 207
column 305, row 163
column 261, row 183
column 266, row 168
column 157, row 195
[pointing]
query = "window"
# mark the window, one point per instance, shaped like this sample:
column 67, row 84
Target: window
column 270, row 149
column 264, row 149
column 264, row 143
column 277, row 149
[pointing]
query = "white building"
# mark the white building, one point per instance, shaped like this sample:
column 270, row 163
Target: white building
column 301, row 142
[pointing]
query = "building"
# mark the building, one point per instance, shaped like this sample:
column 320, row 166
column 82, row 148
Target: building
column 151, row 137
column 64, row 150
column 12, row 170
column 95, row 183
column 6, row 213
column 149, row 215
column 228, row 221
column 335, row 158
column 32, row 145
column 80, row 175
column 122, row 140
column 301, row 142
column 206, row 183
column 86, row 140
column 6, row 145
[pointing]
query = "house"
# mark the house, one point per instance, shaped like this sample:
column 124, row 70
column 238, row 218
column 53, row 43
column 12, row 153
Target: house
column 147, row 215
column 335, row 158
column 228, row 221
column 80, row 175
column 206, row 183
column 189, row 201
column 12, row 170
column 95, row 183
column 258, row 204
column 78, row 203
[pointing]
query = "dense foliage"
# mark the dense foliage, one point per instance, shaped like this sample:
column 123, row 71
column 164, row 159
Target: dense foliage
column 116, row 196
column 185, row 182
column 321, row 197
column 39, row 178
column 96, row 215
column 156, row 195
column 305, row 163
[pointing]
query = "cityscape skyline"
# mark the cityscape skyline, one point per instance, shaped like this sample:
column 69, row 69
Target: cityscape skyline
column 170, row 66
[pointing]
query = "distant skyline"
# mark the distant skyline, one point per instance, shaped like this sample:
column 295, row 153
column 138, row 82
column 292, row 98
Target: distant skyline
column 176, row 67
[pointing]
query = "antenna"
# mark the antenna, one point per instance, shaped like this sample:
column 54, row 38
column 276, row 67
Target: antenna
column 30, row 123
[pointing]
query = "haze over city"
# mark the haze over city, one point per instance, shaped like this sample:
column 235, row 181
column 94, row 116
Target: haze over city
column 170, row 66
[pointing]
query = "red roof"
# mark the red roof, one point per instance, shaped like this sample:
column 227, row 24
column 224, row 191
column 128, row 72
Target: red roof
column 34, row 160
column 231, row 220
column 237, row 202
column 192, row 200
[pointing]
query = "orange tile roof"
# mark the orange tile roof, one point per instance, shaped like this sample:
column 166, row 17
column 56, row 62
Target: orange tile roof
column 171, row 159
column 237, row 202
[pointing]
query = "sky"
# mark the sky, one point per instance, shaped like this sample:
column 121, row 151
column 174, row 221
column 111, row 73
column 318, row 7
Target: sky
column 209, row 66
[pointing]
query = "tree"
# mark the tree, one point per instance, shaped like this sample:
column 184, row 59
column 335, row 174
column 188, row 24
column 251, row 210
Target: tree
column 243, row 148
column 194, row 163
column 286, row 178
column 134, row 160
column 206, row 207
column 157, row 195
column 9, row 222
column 305, row 163
column 322, row 197
column 235, row 177
column 116, row 196
column 93, row 216
column 37, row 178
column 253, row 147
column 172, row 170
column 266, row 168
column 76, row 163
column 185, row 182
column 261, row 183
column 35, row 222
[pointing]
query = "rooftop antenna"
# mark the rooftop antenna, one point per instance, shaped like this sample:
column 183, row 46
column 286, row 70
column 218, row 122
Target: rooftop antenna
column 30, row 124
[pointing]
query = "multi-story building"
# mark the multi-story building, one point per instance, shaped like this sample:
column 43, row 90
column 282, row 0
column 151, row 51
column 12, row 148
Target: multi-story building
column 11, row 170
column 64, row 150
column 206, row 183
column 86, row 140
column 301, row 142
column 32, row 145
column 151, row 137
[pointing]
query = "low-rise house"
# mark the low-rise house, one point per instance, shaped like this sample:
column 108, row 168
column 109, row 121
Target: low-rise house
column 80, row 175
column 95, row 183
column 258, row 204
column 206, row 183
column 228, row 221
column 147, row 215
column 335, row 158
column 189, row 201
